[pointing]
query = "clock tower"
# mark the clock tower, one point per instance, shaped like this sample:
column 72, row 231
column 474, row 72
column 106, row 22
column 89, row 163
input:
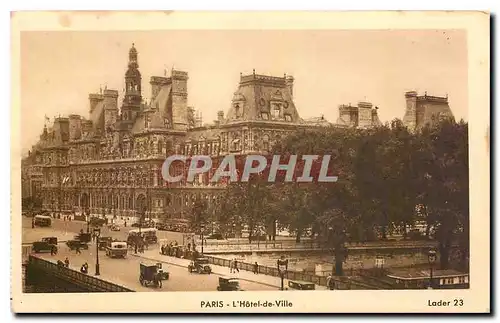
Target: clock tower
column 133, row 98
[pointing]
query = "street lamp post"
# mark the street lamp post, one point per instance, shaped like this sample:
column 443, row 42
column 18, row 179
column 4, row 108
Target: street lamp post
column 202, row 229
column 97, row 233
column 139, row 235
column 432, row 259
column 282, row 269
column 87, row 216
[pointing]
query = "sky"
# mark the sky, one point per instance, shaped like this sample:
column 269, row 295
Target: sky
column 331, row 67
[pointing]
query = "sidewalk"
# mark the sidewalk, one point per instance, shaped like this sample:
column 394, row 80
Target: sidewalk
column 154, row 255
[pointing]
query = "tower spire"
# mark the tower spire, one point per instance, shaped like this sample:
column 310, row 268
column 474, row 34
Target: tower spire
column 133, row 96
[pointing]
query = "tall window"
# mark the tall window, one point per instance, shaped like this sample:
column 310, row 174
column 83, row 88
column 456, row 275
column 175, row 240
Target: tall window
column 276, row 111
column 265, row 143
column 160, row 147
column 237, row 110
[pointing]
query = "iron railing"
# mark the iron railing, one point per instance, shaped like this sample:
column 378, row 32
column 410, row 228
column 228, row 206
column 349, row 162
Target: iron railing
column 72, row 276
column 341, row 282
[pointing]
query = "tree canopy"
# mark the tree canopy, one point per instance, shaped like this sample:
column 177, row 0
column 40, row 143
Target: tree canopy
column 388, row 179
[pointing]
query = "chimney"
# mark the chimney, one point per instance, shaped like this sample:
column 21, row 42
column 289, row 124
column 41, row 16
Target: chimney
column 289, row 83
column 94, row 99
column 220, row 116
column 75, row 127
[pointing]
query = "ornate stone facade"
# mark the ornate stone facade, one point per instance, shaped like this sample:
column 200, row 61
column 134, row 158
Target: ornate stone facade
column 111, row 162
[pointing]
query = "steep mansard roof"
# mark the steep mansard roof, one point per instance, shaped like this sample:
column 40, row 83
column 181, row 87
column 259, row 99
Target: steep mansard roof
column 257, row 94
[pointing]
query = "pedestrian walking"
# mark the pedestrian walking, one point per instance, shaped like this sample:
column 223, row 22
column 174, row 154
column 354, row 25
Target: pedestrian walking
column 256, row 268
column 236, row 265
column 77, row 250
column 33, row 223
column 330, row 283
column 66, row 262
column 53, row 251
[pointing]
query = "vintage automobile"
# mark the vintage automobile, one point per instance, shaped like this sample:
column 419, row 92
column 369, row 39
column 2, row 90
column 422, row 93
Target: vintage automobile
column 301, row 285
column 149, row 275
column 45, row 245
column 97, row 222
column 116, row 249
column 104, row 242
column 164, row 275
column 42, row 221
column 73, row 244
column 50, row 240
column 200, row 266
column 83, row 237
column 229, row 284
column 114, row 227
column 149, row 235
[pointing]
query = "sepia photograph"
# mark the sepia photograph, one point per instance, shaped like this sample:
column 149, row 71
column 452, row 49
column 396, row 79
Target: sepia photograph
column 203, row 156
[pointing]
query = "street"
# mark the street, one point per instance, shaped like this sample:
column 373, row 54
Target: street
column 124, row 272
column 66, row 230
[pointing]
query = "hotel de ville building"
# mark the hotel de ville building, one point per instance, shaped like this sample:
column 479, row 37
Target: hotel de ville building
column 109, row 162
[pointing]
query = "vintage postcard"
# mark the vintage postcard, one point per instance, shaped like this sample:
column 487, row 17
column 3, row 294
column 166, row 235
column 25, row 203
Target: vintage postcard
column 264, row 162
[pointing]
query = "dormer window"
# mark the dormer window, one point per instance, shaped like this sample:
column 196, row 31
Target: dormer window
column 265, row 115
column 288, row 117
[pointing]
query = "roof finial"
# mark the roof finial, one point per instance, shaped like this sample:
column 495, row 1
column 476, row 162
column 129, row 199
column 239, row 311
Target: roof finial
column 133, row 44
column 165, row 72
column 425, row 93
column 254, row 71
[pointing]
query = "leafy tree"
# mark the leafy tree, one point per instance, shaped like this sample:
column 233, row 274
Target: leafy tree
column 447, row 174
column 198, row 215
